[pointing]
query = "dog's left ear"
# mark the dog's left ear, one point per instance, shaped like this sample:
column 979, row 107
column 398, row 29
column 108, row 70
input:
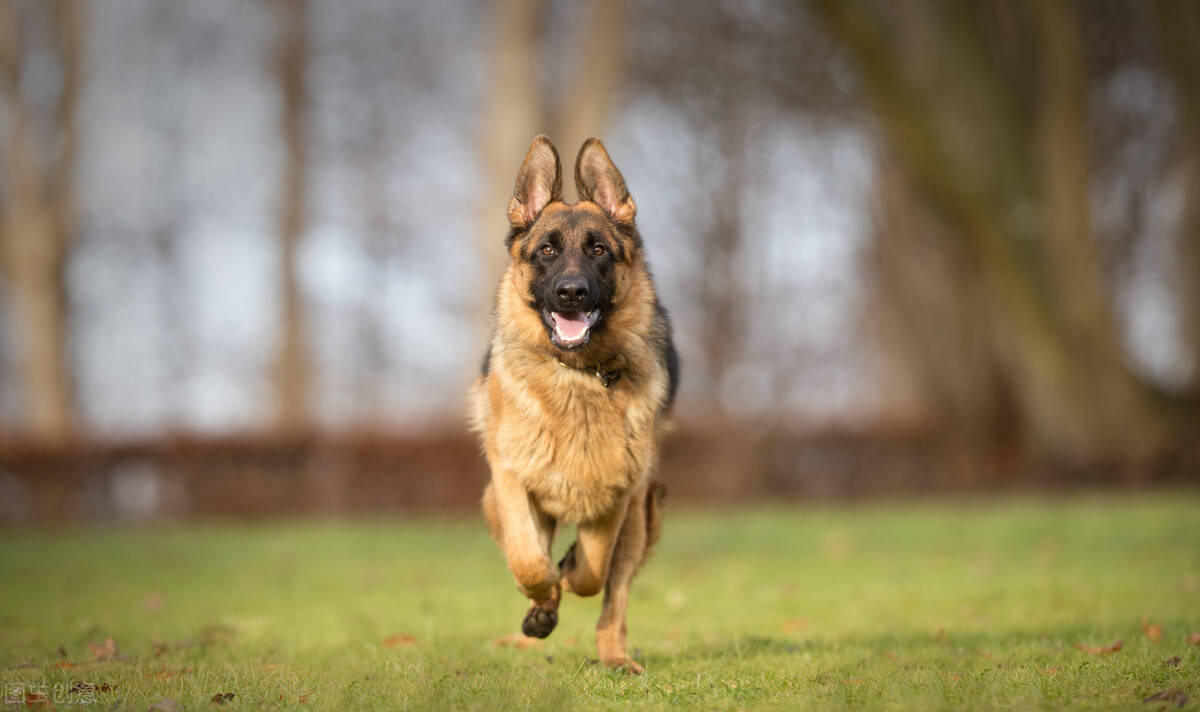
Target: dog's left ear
column 598, row 180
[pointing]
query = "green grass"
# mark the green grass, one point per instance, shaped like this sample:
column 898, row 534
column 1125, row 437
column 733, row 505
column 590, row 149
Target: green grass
column 929, row 605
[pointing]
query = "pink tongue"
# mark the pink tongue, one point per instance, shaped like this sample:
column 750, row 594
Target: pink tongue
column 570, row 328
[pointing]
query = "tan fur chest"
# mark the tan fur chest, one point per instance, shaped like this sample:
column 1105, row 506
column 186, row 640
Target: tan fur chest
column 576, row 446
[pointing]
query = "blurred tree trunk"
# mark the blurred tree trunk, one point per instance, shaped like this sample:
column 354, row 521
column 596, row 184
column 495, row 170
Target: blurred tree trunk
column 293, row 380
column 512, row 115
column 595, row 80
column 1179, row 30
column 722, row 296
column 973, row 160
column 37, row 216
column 935, row 359
column 1123, row 410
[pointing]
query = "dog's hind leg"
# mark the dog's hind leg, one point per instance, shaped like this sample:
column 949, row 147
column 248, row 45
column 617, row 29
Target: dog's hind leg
column 639, row 532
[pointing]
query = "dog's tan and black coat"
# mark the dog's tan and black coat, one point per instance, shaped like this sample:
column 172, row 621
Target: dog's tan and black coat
column 576, row 388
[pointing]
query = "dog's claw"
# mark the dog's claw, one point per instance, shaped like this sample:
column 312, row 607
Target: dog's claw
column 539, row 622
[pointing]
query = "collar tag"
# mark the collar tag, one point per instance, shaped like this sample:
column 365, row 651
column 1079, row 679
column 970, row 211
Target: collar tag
column 607, row 378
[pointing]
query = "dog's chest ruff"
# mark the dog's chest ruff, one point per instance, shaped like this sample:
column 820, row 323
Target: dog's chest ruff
column 576, row 444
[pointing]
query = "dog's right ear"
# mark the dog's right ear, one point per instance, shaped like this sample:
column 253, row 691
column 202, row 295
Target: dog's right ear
column 539, row 183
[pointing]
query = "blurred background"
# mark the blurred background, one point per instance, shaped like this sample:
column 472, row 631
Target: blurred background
column 248, row 248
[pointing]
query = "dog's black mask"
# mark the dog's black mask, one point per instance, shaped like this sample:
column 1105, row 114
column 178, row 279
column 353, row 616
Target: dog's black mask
column 573, row 282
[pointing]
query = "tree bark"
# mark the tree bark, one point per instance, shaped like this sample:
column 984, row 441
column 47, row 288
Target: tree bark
column 1054, row 347
column 37, row 220
column 1178, row 29
column 596, row 78
column 1125, row 425
column 513, row 114
column 292, row 366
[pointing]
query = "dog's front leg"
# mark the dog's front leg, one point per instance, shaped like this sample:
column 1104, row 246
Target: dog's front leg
column 527, row 536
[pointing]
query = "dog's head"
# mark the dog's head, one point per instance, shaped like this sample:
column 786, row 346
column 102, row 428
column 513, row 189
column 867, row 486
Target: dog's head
column 571, row 255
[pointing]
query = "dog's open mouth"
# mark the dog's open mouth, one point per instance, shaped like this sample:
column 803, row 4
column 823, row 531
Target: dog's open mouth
column 571, row 330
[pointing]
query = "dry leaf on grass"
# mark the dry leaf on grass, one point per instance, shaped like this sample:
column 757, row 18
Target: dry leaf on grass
column 37, row 700
column 216, row 634
column 1106, row 650
column 108, row 651
column 1154, row 631
column 1174, row 695
column 516, row 640
column 399, row 640
column 302, row 698
column 795, row 625
column 1193, row 639
column 91, row 688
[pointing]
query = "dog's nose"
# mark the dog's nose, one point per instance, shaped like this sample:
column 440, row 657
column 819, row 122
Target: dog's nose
column 572, row 290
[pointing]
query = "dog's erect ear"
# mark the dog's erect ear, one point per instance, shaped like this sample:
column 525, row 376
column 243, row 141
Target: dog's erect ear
column 598, row 180
column 539, row 182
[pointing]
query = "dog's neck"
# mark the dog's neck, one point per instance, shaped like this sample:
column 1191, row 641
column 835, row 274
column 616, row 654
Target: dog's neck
column 608, row 372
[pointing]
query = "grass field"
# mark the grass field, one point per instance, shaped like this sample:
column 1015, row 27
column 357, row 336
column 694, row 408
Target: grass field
column 935, row 605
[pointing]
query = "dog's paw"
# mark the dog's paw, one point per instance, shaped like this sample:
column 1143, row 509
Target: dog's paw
column 624, row 664
column 539, row 622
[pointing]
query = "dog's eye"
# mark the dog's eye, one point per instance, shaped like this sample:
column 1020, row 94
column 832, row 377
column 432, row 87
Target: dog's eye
column 548, row 250
column 597, row 250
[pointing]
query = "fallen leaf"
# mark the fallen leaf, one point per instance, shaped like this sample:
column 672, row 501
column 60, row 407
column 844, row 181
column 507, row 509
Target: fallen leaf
column 108, row 651
column 1174, row 694
column 216, row 634
column 1193, row 639
column 516, row 640
column 222, row 697
column 166, row 704
column 1153, row 631
column 1173, row 662
column 37, row 700
column 302, row 698
column 1106, row 650
column 64, row 665
column 399, row 640
column 795, row 625
column 163, row 673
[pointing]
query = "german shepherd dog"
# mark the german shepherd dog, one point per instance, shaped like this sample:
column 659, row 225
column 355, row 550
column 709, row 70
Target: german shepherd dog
column 576, row 388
